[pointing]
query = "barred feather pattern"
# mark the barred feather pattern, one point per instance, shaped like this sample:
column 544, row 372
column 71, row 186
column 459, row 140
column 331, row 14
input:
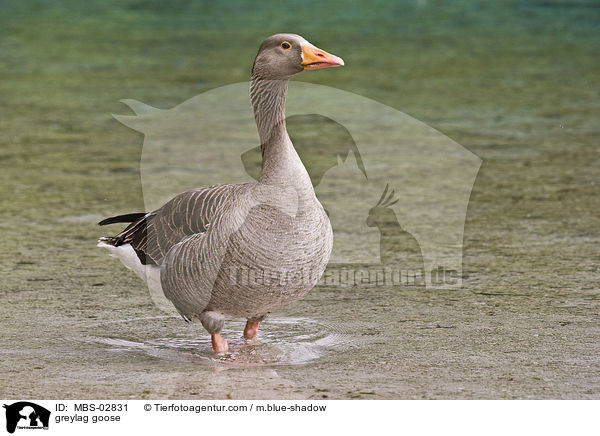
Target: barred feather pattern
column 203, row 239
column 186, row 214
column 268, row 101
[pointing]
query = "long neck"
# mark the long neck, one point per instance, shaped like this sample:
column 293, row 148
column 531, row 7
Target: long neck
column 268, row 102
column 280, row 164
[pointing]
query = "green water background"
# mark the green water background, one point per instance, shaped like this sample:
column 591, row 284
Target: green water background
column 515, row 82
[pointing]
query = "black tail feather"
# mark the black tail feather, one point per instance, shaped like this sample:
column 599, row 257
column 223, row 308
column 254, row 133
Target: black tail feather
column 136, row 234
column 127, row 218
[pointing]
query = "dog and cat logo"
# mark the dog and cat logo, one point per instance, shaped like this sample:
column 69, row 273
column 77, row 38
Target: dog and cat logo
column 26, row 415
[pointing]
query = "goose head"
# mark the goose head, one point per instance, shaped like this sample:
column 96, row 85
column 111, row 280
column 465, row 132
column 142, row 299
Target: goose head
column 282, row 55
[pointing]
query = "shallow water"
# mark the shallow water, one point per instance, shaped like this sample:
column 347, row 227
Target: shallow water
column 283, row 341
column 514, row 82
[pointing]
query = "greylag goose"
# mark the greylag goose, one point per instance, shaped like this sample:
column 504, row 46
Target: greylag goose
column 206, row 247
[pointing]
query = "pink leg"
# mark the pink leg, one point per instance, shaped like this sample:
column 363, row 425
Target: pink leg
column 219, row 344
column 251, row 329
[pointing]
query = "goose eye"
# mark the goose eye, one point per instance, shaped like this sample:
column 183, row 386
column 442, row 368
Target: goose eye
column 286, row 45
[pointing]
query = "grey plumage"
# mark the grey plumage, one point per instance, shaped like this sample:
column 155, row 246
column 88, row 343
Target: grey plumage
column 242, row 250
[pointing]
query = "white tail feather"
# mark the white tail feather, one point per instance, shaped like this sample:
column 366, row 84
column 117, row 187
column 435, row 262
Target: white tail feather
column 150, row 274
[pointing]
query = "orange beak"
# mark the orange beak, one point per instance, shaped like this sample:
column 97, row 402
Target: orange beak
column 314, row 58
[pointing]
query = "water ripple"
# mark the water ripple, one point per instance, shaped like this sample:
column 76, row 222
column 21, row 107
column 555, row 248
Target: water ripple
column 281, row 341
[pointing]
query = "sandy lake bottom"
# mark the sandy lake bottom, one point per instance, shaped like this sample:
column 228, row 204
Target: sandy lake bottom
column 515, row 83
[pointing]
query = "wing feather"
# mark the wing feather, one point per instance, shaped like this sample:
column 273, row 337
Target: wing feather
column 185, row 215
